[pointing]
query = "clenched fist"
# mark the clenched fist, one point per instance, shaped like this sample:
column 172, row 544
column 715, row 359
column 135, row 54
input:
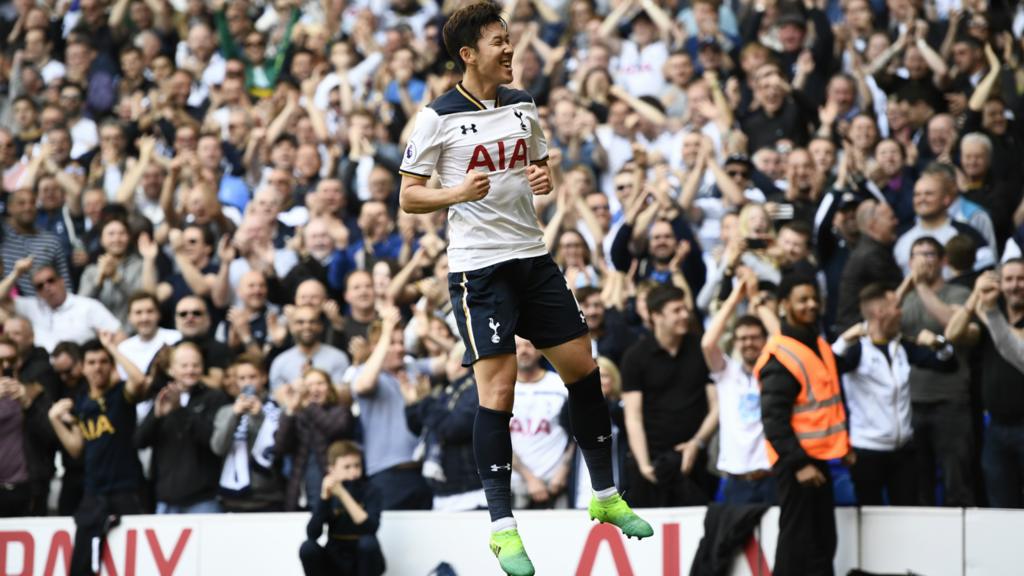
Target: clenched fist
column 539, row 178
column 475, row 186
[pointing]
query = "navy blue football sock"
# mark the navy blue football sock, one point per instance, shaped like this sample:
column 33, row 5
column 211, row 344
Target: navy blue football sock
column 592, row 427
column 492, row 447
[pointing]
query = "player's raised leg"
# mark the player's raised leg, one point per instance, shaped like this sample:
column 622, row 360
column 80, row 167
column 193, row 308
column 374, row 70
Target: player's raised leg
column 592, row 428
column 492, row 446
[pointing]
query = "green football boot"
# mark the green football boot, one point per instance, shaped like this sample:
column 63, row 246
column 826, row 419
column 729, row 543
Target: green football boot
column 615, row 511
column 507, row 546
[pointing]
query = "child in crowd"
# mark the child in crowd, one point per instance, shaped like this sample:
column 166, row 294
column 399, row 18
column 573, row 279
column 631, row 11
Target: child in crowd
column 350, row 507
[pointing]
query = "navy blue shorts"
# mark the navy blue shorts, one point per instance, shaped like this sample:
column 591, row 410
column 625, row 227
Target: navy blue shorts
column 527, row 297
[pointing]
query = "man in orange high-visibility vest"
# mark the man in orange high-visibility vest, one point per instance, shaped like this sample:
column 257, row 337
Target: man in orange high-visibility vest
column 804, row 425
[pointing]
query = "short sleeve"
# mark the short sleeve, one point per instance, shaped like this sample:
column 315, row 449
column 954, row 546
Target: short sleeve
column 424, row 147
column 538, row 142
column 632, row 371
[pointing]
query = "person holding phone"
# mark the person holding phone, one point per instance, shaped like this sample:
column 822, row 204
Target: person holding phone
column 243, row 434
column 751, row 246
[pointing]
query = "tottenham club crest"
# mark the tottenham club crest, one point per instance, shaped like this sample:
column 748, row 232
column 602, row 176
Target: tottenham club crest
column 494, row 326
column 519, row 115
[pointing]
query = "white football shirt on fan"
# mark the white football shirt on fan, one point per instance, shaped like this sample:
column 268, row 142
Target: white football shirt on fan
column 458, row 133
column 538, row 439
column 741, row 444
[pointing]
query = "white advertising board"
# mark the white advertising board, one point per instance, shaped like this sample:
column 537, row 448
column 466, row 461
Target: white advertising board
column 926, row 541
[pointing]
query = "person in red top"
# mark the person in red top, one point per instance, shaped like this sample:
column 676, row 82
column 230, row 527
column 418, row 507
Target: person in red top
column 804, row 425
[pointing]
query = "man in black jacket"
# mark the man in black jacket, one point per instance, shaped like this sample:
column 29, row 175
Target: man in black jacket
column 870, row 262
column 178, row 428
column 805, row 425
column 444, row 417
column 26, row 439
column 34, row 361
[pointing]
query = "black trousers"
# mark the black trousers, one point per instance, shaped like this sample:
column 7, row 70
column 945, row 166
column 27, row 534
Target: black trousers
column 96, row 515
column 360, row 557
column 39, row 496
column 673, row 488
column 15, row 500
column 943, row 436
column 807, row 526
column 403, row 489
column 72, row 489
column 890, row 472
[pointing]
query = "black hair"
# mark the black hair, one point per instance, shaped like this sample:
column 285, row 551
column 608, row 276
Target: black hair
column 969, row 40
column 107, row 222
column 67, row 347
column 661, row 295
column 113, row 211
column 940, row 250
column 95, row 346
column 791, row 281
column 287, row 137
column 209, row 238
column 799, row 227
column 464, row 27
column 653, row 101
column 753, row 321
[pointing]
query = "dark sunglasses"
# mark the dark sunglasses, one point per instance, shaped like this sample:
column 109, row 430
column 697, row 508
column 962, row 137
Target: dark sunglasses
column 44, row 283
column 192, row 313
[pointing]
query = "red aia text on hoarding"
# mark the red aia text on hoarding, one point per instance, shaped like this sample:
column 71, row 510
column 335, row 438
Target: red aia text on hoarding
column 670, row 560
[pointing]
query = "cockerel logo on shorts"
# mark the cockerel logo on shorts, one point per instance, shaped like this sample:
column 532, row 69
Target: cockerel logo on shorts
column 494, row 326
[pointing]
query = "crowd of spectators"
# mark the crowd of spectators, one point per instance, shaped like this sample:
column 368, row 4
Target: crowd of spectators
column 208, row 281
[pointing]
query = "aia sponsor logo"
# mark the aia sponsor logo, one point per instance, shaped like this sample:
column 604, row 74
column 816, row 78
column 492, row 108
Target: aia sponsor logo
column 499, row 157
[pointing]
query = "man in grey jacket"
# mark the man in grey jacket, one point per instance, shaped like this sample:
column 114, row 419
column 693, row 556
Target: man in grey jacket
column 243, row 433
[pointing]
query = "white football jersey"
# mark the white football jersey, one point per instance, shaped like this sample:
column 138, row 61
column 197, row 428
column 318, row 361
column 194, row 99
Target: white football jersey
column 538, row 438
column 458, row 133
